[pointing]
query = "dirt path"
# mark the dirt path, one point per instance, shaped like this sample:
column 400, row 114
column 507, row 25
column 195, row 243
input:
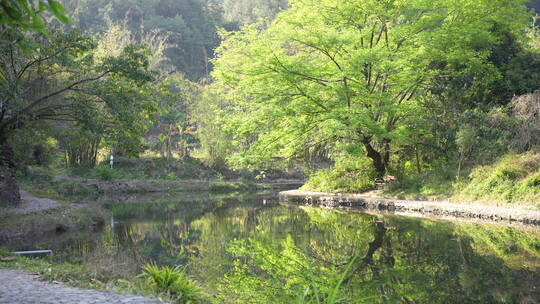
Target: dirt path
column 414, row 208
column 38, row 216
column 19, row 287
column 32, row 204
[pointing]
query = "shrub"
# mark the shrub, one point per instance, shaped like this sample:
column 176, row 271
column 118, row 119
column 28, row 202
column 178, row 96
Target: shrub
column 347, row 175
column 34, row 173
column 175, row 282
column 526, row 109
column 105, row 173
column 81, row 171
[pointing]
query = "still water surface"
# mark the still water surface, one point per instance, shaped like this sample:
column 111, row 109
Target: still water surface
column 253, row 249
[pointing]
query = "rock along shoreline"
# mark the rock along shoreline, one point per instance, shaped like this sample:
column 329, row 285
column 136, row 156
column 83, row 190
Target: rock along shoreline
column 413, row 208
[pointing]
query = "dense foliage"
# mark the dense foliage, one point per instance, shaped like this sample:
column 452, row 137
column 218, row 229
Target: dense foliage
column 191, row 25
column 348, row 92
column 419, row 99
column 354, row 77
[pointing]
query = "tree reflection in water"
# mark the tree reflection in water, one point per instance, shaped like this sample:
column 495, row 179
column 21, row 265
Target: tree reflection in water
column 244, row 251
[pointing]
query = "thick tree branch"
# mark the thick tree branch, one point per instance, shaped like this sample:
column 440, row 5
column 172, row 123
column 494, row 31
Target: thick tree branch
column 37, row 61
column 40, row 100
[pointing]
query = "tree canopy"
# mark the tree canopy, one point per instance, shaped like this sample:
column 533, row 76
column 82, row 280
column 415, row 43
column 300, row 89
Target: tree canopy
column 66, row 79
column 352, row 75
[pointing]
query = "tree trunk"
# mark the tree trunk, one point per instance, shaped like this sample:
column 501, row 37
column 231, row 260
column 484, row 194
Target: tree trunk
column 461, row 157
column 386, row 158
column 9, row 188
column 84, row 155
column 417, row 155
column 376, row 157
column 169, row 146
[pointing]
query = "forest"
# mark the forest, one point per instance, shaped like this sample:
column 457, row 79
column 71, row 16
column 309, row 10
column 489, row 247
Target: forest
column 431, row 100
column 430, row 94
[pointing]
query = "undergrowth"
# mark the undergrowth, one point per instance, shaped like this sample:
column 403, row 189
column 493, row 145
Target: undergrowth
column 347, row 175
column 438, row 184
column 512, row 179
column 515, row 178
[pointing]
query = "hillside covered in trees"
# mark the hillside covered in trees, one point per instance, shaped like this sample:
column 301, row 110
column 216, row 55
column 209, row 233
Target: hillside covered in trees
column 143, row 144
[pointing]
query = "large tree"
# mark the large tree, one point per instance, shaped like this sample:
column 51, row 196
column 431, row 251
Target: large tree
column 62, row 78
column 352, row 72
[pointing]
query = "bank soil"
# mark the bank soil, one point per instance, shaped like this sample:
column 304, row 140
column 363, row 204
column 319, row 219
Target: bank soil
column 38, row 216
column 414, row 208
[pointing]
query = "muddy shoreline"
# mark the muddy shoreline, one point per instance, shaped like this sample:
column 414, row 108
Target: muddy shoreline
column 37, row 217
column 443, row 210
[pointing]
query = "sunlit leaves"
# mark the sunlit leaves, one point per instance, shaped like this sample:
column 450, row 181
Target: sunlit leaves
column 326, row 72
column 27, row 15
column 58, row 10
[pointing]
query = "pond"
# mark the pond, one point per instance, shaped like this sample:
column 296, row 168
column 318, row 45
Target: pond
column 253, row 249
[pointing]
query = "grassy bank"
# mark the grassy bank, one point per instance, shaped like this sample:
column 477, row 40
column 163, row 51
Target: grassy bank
column 513, row 179
column 347, row 175
column 158, row 168
column 76, row 186
column 144, row 175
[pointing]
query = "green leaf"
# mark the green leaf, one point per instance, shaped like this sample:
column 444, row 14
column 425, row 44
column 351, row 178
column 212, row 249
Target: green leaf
column 24, row 5
column 38, row 24
column 11, row 12
column 43, row 6
column 58, row 10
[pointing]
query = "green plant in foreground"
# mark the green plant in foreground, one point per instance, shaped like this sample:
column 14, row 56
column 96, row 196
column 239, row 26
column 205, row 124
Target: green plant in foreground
column 175, row 282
